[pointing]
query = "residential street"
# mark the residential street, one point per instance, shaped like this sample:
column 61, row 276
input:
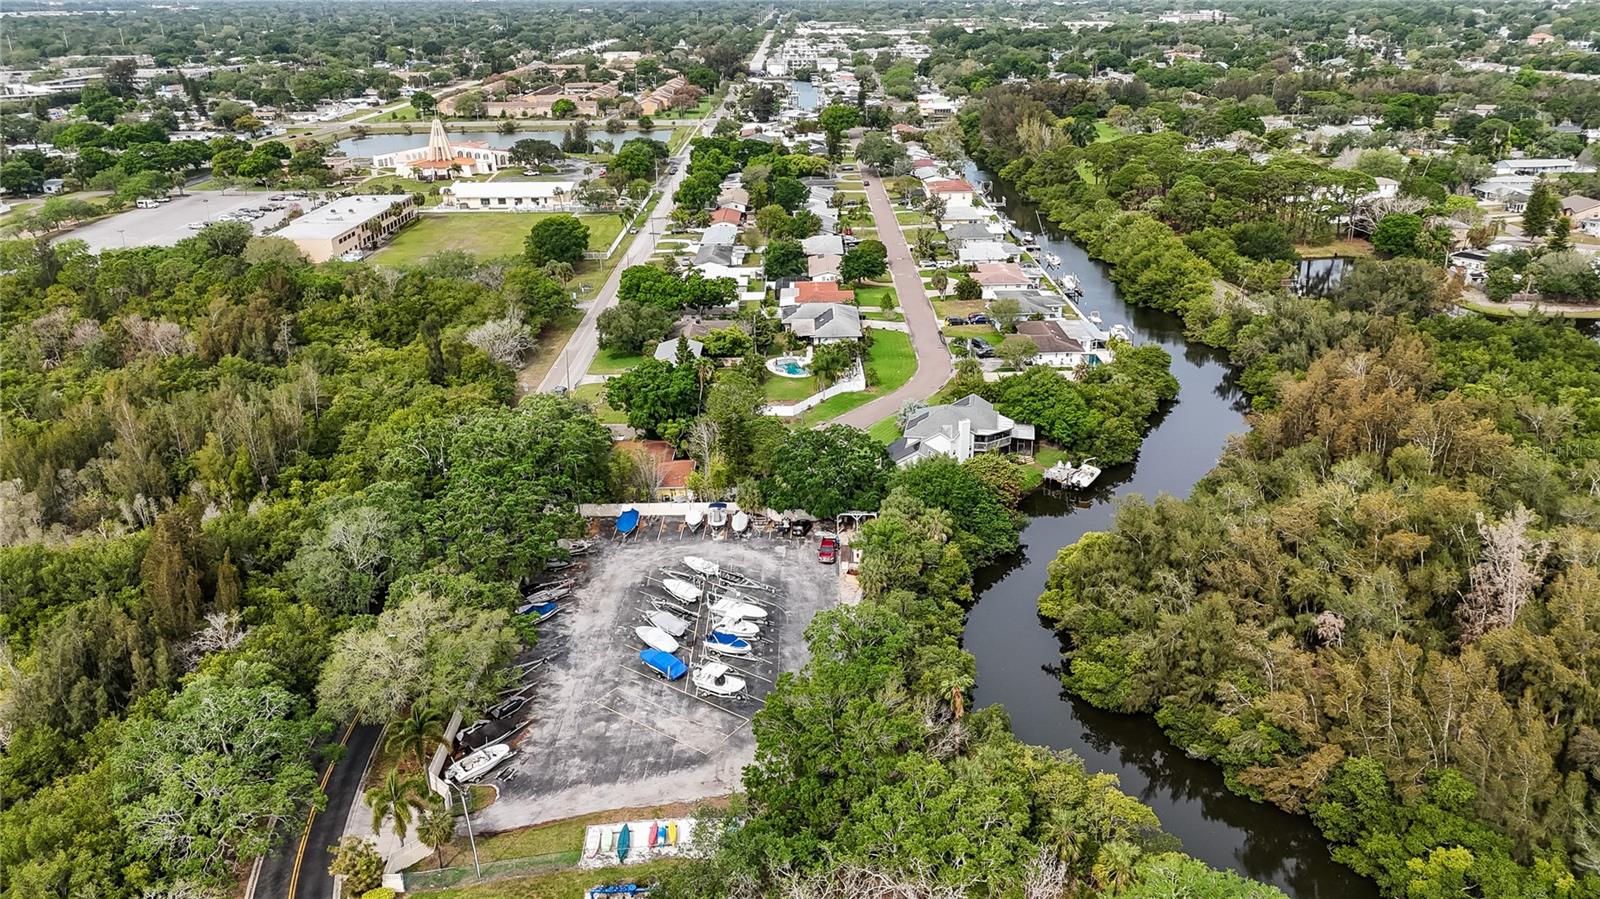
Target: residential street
column 933, row 357
column 581, row 347
column 298, row 866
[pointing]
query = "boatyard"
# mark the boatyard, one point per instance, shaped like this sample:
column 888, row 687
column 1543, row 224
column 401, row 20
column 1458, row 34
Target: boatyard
column 614, row 722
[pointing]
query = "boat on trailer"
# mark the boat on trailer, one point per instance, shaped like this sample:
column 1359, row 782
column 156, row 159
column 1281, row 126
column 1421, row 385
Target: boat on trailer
column 741, row 522
column 717, row 515
column 628, row 522
column 715, row 678
column 539, row 610
column 665, row 664
column 739, row 627
column 656, row 638
column 668, row 622
column 725, row 607
column 694, row 518
column 727, row 644
column 478, row 763
column 702, row 567
column 682, row 591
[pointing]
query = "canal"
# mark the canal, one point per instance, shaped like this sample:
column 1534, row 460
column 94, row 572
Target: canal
column 1019, row 656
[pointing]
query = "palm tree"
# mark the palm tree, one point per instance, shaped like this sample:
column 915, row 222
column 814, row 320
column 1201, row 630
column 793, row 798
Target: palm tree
column 397, row 798
column 1114, row 866
column 940, row 281
column 436, row 829
column 416, row 733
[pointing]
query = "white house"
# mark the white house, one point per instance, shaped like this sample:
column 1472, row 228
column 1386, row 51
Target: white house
column 973, row 252
column 1059, row 347
column 960, row 430
column 1473, row 264
column 510, row 196
column 823, row 322
column 1541, row 166
column 954, row 191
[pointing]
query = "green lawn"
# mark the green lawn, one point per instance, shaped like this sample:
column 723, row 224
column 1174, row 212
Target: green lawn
column 875, row 296
column 912, row 217
column 1104, row 130
column 595, row 395
column 609, row 362
column 484, row 234
column 890, row 363
column 982, row 332
column 886, row 431
column 946, row 308
column 789, row 390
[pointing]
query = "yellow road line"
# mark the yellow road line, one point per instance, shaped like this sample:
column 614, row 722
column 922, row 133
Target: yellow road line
column 300, row 854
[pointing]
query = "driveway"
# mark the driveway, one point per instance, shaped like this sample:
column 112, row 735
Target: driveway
column 934, row 367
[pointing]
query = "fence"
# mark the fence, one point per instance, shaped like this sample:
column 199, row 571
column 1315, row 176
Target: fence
column 855, row 382
column 444, row 878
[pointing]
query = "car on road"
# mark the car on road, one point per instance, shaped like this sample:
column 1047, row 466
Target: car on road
column 828, row 550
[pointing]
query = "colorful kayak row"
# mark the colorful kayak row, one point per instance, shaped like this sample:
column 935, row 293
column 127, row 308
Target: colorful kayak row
column 605, row 841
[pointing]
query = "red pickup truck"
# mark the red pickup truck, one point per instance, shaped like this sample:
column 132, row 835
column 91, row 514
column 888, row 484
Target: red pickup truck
column 828, row 550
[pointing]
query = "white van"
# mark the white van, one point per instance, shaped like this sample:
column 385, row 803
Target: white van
column 145, row 204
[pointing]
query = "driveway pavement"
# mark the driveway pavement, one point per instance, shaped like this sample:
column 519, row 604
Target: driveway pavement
column 934, row 367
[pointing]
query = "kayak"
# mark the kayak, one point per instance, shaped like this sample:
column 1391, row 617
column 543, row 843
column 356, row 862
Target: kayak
column 624, row 840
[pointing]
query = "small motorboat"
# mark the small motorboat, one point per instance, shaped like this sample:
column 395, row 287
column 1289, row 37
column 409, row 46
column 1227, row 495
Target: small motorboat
column 702, row 567
column 682, row 591
column 717, row 515
column 1052, row 259
column 668, row 622
column 727, row 644
column 741, row 522
column 1069, row 283
column 539, row 610
column 576, row 547
column 548, row 592
column 727, row 607
column 665, row 664
column 624, row 843
column 656, row 638
column 558, row 564
column 738, row 627
column 1085, row 475
column 478, row 763
column 628, row 522
column 713, row 677
column 694, row 518
column 1121, row 332
column 1094, row 316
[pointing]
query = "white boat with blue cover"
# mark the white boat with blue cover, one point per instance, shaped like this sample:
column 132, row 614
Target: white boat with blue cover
column 738, row 627
column 727, row 644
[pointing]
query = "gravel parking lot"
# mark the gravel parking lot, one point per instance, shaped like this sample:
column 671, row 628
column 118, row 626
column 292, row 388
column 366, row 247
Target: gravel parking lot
column 168, row 223
column 603, row 731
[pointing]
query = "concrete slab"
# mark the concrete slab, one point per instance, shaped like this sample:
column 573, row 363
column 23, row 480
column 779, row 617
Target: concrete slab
column 168, row 223
column 604, row 732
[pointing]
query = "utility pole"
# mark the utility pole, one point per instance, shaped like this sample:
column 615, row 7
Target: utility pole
column 466, row 810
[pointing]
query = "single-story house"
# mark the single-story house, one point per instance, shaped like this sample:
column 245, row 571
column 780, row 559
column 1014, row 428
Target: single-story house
column 954, row 191
column 509, row 196
column 1473, row 264
column 1580, row 209
column 973, row 252
column 667, row 350
column 823, row 268
column 714, row 254
column 905, row 132
column 1057, row 349
column 1034, row 303
column 720, row 233
column 823, row 322
column 962, row 232
column 800, row 292
column 996, row 276
column 737, row 197
column 823, row 245
column 727, row 215
column 960, row 430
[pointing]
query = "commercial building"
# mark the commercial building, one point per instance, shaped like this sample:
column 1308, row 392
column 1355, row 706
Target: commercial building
column 511, row 196
column 351, row 225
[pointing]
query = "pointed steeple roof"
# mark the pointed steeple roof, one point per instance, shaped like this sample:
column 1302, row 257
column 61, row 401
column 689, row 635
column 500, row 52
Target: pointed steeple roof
column 439, row 144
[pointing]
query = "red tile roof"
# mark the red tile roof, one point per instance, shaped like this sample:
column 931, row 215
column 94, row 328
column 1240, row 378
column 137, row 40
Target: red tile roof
column 728, row 215
column 675, row 475
column 822, row 292
column 992, row 273
column 950, row 186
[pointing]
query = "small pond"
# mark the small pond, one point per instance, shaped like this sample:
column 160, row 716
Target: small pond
column 1318, row 277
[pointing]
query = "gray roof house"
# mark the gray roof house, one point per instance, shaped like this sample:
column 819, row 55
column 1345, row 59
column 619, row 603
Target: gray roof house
column 1034, row 303
column 823, row 322
column 667, row 350
column 965, row 231
column 719, row 253
column 959, row 430
column 823, row 245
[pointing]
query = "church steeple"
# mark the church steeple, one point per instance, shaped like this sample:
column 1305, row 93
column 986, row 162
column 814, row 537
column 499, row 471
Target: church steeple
column 439, row 144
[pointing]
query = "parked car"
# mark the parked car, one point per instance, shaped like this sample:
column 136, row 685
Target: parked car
column 982, row 349
column 828, row 550
column 977, row 318
column 955, row 320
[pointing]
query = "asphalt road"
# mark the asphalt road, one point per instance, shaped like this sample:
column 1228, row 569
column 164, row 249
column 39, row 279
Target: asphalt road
column 298, row 868
column 934, row 367
column 575, row 359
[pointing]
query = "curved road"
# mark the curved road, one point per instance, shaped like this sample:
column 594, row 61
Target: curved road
column 297, row 867
column 934, row 367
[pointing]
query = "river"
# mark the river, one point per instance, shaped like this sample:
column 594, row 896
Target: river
column 1019, row 656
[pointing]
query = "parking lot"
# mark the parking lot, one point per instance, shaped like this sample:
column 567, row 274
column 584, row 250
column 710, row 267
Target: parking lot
column 603, row 731
column 168, row 223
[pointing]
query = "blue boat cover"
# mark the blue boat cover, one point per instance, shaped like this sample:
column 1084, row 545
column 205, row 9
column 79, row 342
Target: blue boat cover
column 618, row 889
column 665, row 664
column 627, row 521
column 724, row 638
column 541, row 609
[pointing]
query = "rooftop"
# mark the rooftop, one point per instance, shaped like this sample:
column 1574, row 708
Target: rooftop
column 340, row 216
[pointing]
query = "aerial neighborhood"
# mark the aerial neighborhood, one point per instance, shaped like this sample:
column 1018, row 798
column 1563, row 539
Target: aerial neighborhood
column 924, row 450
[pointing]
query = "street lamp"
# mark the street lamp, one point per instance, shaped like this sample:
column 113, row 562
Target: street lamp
column 466, row 809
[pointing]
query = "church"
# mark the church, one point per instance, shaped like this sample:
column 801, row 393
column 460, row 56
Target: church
column 443, row 159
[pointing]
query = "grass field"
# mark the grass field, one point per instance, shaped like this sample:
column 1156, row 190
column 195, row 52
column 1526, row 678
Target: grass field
column 1342, row 247
column 595, row 394
column 789, row 390
column 985, row 333
column 886, row 431
column 1106, row 131
column 483, row 234
column 875, row 296
column 546, row 839
column 609, row 362
column 890, row 363
column 1496, row 310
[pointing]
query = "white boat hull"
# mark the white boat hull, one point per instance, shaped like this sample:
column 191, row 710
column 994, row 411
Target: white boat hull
column 738, row 627
column 741, row 521
column 479, row 763
column 733, row 608
column 656, row 638
column 703, row 567
column 713, row 677
column 683, row 591
column 728, row 649
column 694, row 518
column 668, row 622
